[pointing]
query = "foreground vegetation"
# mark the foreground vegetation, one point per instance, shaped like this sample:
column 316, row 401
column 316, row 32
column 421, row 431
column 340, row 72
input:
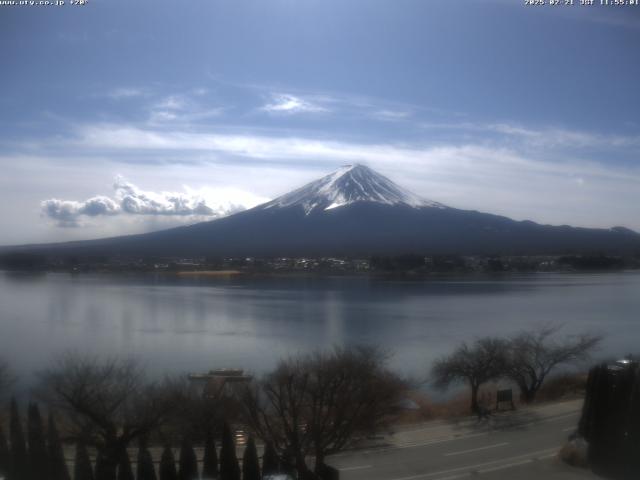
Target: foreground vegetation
column 309, row 407
column 526, row 359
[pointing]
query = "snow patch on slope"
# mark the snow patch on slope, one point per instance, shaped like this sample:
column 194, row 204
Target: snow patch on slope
column 347, row 185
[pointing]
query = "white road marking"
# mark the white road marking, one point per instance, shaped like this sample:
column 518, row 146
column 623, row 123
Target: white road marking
column 463, row 436
column 569, row 429
column 359, row 467
column 495, row 469
column 452, row 438
column 515, row 464
column 528, row 456
column 462, row 452
column 408, row 445
column 438, row 440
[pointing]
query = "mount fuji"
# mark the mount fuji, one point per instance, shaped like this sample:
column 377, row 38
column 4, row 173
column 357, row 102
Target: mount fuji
column 348, row 185
column 355, row 211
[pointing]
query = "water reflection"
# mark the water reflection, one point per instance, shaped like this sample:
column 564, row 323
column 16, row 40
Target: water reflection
column 183, row 324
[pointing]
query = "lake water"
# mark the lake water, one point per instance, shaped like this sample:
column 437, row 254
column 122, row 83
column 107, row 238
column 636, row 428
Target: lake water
column 196, row 324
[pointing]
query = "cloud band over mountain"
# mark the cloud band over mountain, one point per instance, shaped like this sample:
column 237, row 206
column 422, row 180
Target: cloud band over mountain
column 129, row 199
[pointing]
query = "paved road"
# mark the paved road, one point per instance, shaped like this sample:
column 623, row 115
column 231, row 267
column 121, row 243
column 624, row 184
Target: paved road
column 521, row 445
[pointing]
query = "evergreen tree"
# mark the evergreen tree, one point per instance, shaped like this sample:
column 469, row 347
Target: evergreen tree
column 250, row 462
column 229, row 467
column 82, row 469
column 19, row 461
column 210, row 459
column 168, row 465
column 145, row 470
column 125, row 472
column 188, row 462
column 57, row 464
column 270, row 463
column 37, row 457
column 103, row 470
column 4, row 454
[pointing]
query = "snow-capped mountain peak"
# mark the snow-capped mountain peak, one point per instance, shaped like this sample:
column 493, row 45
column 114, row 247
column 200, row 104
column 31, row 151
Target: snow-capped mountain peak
column 347, row 185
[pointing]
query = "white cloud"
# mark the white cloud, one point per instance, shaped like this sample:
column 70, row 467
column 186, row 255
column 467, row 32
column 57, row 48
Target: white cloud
column 561, row 137
column 392, row 115
column 159, row 116
column 172, row 102
column 129, row 199
column 553, row 137
column 181, row 109
column 125, row 92
column 300, row 148
column 285, row 103
column 138, row 202
column 68, row 212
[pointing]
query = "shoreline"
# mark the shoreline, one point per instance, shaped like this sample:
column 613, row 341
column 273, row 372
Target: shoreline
column 417, row 276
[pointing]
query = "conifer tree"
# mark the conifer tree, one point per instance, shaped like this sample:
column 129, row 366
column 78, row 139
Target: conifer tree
column 103, row 470
column 188, row 462
column 37, row 456
column 210, row 459
column 82, row 469
column 19, row 460
column 270, row 463
column 229, row 467
column 4, row 454
column 145, row 470
column 125, row 472
column 57, row 464
column 168, row 465
column 250, row 462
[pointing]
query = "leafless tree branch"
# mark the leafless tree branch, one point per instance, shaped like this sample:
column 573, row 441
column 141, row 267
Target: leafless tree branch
column 319, row 404
column 107, row 402
column 533, row 354
column 474, row 364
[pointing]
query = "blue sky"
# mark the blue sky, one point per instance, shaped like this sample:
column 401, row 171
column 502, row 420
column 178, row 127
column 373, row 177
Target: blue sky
column 120, row 116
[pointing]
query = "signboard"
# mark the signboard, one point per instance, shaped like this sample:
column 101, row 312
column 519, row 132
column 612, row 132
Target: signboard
column 505, row 396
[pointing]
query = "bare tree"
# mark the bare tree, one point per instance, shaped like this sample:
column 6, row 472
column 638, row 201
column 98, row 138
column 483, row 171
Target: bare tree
column 108, row 403
column 196, row 416
column 319, row 404
column 474, row 364
column 534, row 353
